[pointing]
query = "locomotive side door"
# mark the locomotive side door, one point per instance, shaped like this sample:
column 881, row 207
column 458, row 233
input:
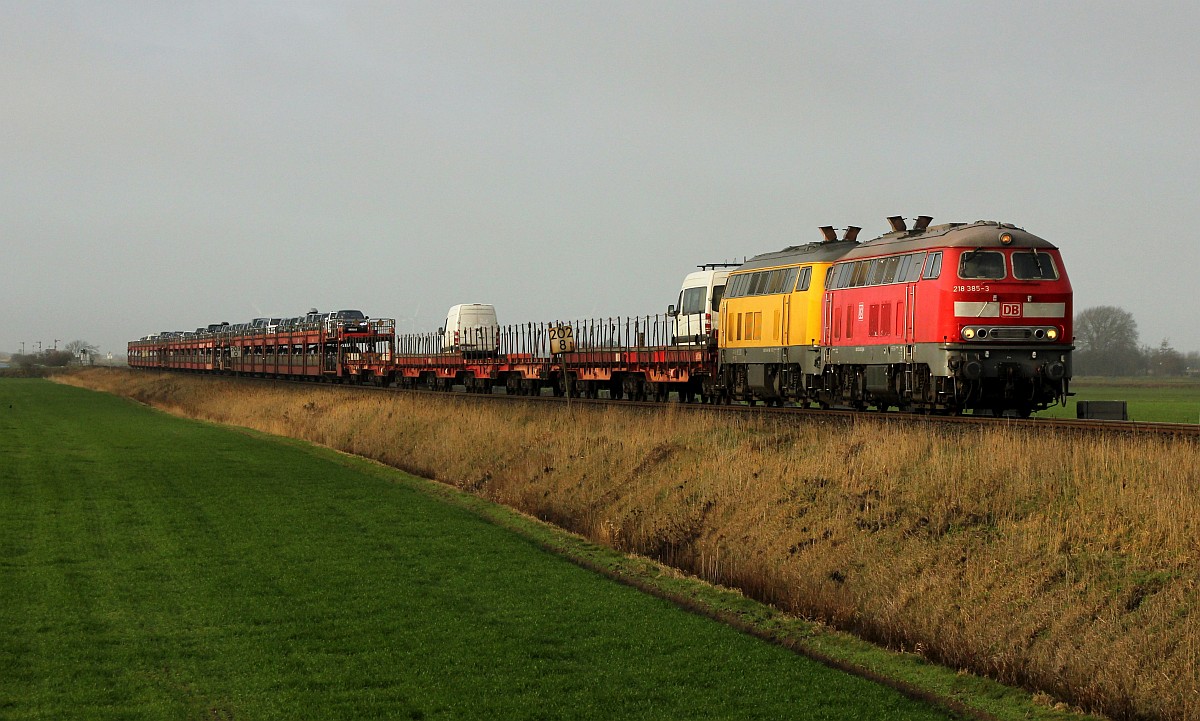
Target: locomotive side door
column 827, row 320
column 785, row 322
column 910, row 314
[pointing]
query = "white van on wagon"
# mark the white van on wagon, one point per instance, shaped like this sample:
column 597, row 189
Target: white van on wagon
column 471, row 328
column 697, row 313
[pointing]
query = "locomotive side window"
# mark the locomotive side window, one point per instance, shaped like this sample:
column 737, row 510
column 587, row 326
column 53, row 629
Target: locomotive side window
column 789, row 280
column 933, row 265
column 987, row 264
column 861, row 268
column 841, row 275
column 1033, row 266
column 805, row 278
column 890, row 267
column 912, row 270
column 758, row 284
column 847, row 279
column 878, row 269
column 775, row 281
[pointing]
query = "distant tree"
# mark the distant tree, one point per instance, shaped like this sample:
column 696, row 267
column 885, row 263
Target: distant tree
column 1165, row 360
column 77, row 346
column 1106, row 341
column 55, row 358
column 24, row 362
column 1191, row 362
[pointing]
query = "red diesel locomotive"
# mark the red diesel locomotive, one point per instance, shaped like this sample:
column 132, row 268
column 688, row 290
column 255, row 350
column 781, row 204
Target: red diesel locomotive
column 948, row 318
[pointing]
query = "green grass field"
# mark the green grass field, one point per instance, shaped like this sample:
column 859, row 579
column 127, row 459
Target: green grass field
column 152, row 567
column 1157, row 400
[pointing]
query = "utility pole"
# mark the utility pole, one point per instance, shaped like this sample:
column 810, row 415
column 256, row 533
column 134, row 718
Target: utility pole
column 39, row 347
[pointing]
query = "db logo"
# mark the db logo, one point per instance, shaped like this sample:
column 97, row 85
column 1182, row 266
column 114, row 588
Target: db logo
column 1010, row 310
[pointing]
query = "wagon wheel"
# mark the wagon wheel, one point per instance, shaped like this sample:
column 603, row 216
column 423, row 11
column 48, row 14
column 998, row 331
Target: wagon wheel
column 614, row 389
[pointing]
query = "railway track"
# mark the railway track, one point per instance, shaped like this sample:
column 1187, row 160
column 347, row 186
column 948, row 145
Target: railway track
column 1178, row 430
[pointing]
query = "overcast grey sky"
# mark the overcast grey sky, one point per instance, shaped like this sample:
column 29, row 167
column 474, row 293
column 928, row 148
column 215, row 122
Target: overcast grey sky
column 165, row 165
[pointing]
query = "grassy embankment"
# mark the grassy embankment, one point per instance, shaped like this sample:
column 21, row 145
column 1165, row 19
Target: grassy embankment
column 1161, row 400
column 153, row 567
column 1064, row 563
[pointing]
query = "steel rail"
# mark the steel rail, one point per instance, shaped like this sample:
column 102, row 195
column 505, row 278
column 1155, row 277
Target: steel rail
column 1177, row 430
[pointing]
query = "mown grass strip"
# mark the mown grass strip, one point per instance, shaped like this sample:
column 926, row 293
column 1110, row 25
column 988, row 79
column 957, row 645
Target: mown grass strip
column 1149, row 400
column 152, row 567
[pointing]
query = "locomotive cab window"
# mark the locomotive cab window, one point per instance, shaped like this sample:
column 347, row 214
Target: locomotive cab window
column 737, row 285
column 982, row 264
column 1033, row 266
column 805, row 278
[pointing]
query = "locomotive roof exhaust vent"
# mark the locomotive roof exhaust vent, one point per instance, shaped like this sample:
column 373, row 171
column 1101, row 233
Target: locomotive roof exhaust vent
column 830, row 233
column 899, row 226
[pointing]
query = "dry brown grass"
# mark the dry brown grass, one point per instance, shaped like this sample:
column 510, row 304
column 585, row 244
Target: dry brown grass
column 1066, row 564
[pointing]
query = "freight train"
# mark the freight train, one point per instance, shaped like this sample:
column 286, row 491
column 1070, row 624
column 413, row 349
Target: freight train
column 934, row 319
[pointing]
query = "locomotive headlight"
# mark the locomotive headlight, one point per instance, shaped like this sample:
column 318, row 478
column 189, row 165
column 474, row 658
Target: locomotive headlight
column 1052, row 333
column 968, row 333
column 1006, row 238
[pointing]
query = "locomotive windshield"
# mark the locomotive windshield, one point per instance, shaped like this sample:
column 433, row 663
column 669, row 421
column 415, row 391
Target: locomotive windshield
column 1034, row 266
column 981, row 264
